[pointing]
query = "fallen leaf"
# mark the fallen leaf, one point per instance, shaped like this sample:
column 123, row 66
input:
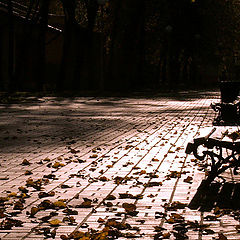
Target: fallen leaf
column 46, row 194
column 64, row 237
column 73, row 151
column 12, row 194
column 55, row 222
column 8, row 223
column 65, row 186
column 221, row 236
column 23, row 189
column 70, row 220
column 188, row 179
column 4, row 178
column 103, row 179
column 60, row 204
column 69, row 211
column 47, row 159
column 77, row 235
column 2, row 214
column 85, row 204
column 234, row 135
column 101, row 220
column 46, row 204
column 28, row 172
column 18, row 205
column 34, row 210
column 25, row 162
column 129, row 207
column 58, row 164
column 110, row 197
column 166, row 235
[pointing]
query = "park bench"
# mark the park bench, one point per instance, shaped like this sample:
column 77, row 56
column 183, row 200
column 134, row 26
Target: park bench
column 229, row 107
column 218, row 149
column 220, row 146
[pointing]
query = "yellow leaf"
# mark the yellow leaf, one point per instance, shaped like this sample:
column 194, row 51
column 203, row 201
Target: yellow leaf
column 60, row 204
column 34, row 210
column 166, row 235
column 55, row 222
column 57, row 165
column 170, row 220
column 12, row 194
column 142, row 172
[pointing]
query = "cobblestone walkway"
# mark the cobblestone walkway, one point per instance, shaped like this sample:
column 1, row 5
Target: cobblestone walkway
column 106, row 166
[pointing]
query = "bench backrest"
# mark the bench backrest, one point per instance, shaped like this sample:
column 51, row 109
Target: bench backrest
column 229, row 91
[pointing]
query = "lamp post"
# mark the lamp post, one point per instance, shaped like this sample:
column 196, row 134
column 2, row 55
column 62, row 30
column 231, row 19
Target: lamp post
column 101, row 3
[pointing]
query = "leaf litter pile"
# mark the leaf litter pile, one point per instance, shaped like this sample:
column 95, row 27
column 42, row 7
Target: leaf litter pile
column 50, row 213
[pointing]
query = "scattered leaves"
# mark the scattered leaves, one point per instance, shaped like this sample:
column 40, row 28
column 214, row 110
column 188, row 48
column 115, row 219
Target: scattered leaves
column 46, row 194
column 8, row 223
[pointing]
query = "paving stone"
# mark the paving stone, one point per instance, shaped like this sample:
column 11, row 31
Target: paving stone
column 98, row 139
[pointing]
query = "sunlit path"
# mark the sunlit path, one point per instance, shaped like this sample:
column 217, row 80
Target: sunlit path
column 116, row 165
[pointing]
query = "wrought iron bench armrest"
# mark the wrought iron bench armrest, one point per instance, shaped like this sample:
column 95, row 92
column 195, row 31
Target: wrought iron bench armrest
column 215, row 152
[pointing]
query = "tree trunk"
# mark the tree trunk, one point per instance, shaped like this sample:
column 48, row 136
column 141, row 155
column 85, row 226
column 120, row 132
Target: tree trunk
column 126, row 53
column 10, row 85
column 70, row 21
column 44, row 8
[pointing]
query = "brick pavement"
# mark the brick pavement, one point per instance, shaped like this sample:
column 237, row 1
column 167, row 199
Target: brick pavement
column 69, row 165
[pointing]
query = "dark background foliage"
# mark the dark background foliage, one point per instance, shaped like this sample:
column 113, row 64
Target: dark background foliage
column 117, row 45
